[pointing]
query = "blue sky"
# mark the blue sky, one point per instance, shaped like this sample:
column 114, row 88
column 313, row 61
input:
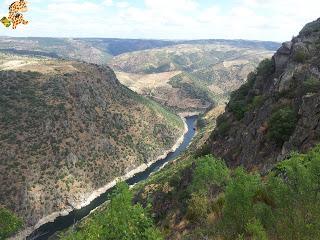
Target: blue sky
column 276, row 20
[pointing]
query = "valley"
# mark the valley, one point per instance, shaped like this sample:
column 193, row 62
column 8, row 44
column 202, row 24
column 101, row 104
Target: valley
column 78, row 115
column 252, row 171
column 68, row 129
column 188, row 77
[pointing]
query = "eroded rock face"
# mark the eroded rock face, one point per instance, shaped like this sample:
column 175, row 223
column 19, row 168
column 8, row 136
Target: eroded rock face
column 295, row 83
column 281, row 58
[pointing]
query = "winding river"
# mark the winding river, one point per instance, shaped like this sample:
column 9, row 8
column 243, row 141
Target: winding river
column 63, row 222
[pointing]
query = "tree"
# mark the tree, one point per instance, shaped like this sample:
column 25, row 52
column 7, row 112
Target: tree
column 209, row 174
column 239, row 205
column 121, row 220
column 9, row 223
column 282, row 124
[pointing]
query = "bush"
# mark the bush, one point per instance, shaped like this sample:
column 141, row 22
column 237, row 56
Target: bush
column 257, row 101
column 295, row 187
column 223, row 128
column 311, row 85
column 282, row 124
column 239, row 108
column 238, row 103
column 209, row 173
column 198, row 208
column 266, row 67
column 9, row 223
column 120, row 220
column 300, row 56
column 239, row 206
column 256, row 231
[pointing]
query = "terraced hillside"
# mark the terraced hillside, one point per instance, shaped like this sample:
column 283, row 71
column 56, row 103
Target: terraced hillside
column 69, row 128
column 188, row 77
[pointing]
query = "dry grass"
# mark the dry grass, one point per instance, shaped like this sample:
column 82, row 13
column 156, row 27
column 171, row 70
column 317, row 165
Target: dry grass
column 145, row 82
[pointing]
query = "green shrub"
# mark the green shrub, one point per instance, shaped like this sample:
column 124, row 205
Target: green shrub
column 238, row 104
column 209, row 173
column 282, row 124
column 120, row 220
column 256, row 231
column 223, row 128
column 198, row 208
column 311, row 85
column 9, row 223
column 239, row 206
column 239, row 108
column 300, row 56
column 257, row 101
column 265, row 67
column 295, row 187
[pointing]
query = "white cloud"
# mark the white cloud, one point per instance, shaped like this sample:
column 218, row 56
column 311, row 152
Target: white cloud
column 107, row 2
column 188, row 19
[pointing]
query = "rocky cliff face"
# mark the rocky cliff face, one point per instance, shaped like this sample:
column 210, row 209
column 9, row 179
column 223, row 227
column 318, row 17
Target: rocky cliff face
column 69, row 128
column 278, row 110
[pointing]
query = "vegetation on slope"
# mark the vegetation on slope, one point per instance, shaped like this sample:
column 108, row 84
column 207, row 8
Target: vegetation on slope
column 242, row 100
column 192, row 87
column 9, row 223
column 200, row 198
column 119, row 220
column 204, row 73
column 64, row 134
column 276, row 111
column 214, row 202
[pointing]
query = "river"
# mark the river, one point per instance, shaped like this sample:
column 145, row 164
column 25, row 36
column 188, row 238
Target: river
column 63, row 222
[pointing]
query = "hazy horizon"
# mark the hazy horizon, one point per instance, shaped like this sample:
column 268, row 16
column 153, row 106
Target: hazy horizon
column 146, row 39
column 268, row 20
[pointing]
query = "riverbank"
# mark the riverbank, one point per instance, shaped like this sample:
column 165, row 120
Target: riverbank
column 76, row 206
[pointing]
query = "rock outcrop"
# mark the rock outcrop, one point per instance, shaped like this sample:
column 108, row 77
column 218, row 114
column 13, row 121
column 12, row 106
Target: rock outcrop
column 254, row 131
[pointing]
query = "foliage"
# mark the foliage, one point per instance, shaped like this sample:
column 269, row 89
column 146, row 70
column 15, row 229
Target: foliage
column 295, row 187
column 241, row 100
column 282, row 124
column 239, row 196
column 257, row 101
column 9, row 223
column 255, row 229
column 311, row 85
column 198, row 208
column 300, row 56
column 209, row 173
column 120, row 220
column 266, row 67
column 223, row 128
column 283, row 205
column 193, row 87
column 238, row 100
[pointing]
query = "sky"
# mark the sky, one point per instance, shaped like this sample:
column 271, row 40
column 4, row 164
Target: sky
column 272, row 20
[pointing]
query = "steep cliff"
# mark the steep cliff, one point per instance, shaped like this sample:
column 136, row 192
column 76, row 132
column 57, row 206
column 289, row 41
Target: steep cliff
column 278, row 110
column 69, row 128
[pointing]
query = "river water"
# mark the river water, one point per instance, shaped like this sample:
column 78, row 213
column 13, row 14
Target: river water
column 63, row 222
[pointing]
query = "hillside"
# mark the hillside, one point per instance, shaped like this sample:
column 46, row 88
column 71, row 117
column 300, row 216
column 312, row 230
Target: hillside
column 256, row 178
column 189, row 77
column 277, row 110
column 183, row 75
column 69, row 128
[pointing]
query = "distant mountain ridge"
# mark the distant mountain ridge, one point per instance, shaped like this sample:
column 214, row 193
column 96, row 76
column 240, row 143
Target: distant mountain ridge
column 101, row 50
